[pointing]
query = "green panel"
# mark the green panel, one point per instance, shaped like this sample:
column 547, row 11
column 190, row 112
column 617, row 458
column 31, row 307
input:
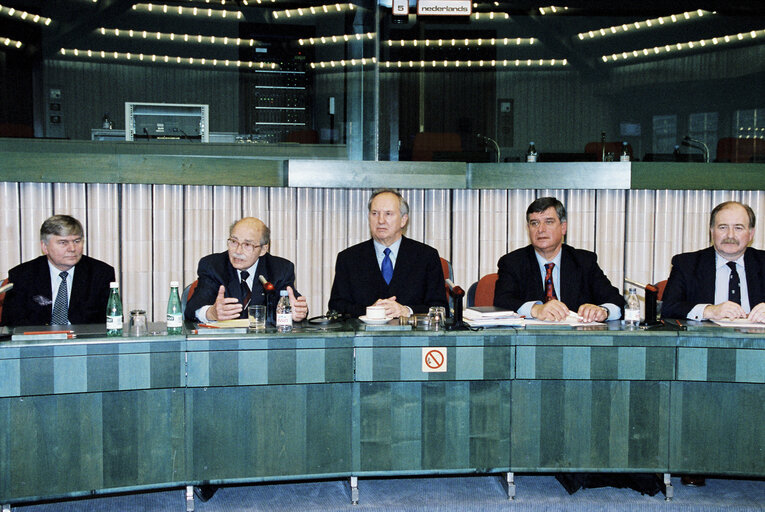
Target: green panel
column 57, row 445
column 282, row 367
column 143, row 438
column 375, row 429
column 490, row 404
column 721, row 365
column 167, row 370
column 699, row 176
column 588, row 425
column 5, row 449
column 267, row 431
column 541, row 175
column 103, row 372
column 36, row 375
column 717, row 428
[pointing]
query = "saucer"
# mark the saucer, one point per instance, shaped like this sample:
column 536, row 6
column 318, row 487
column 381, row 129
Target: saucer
column 374, row 321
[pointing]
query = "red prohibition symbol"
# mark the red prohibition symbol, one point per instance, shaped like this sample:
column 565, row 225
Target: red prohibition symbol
column 434, row 359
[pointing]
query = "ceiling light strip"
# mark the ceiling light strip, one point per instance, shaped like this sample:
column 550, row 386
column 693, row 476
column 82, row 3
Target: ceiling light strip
column 552, row 9
column 179, row 10
column 437, row 43
column 7, row 41
column 184, row 38
column 326, row 40
column 313, row 10
column 685, row 47
column 167, row 59
column 444, row 64
column 24, row 15
column 644, row 24
column 489, row 16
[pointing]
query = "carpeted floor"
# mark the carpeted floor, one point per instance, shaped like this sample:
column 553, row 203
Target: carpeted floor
column 534, row 493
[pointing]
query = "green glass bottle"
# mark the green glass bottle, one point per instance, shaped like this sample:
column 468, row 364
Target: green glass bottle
column 114, row 311
column 174, row 310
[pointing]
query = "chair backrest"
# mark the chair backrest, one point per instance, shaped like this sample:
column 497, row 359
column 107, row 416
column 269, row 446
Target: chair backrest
column 446, row 267
column 660, row 287
column 2, row 297
column 426, row 143
column 732, row 149
column 481, row 293
column 187, row 293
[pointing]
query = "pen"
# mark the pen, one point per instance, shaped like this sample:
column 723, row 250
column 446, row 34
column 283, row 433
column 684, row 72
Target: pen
column 208, row 326
column 37, row 333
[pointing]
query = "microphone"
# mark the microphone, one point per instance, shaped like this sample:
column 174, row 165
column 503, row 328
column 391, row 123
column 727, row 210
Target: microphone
column 454, row 289
column 148, row 137
column 688, row 141
column 456, row 292
column 266, row 285
column 489, row 139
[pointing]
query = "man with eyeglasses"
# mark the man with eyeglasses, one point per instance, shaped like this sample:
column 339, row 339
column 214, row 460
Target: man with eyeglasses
column 229, row 281
column 62, row 286
column 724, row 281
column 548, row 279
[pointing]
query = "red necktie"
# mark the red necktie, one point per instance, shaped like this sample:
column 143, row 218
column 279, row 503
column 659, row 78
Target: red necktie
column 549, row 288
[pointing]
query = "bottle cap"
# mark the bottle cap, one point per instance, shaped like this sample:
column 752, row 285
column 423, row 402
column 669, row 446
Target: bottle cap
column 531, row 143
column 114, row 284
column 173, row 284
column 283, row 293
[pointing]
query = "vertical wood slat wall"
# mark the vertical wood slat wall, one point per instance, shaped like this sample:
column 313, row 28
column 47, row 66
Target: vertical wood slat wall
column 153, row 234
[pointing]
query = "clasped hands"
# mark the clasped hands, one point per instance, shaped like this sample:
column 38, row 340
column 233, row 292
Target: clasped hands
column 392, row 308
column 228, row 308
column 557, row 311
column 731, row 310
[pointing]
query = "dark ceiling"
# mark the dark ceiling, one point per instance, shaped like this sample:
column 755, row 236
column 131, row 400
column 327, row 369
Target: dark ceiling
column 75, row 23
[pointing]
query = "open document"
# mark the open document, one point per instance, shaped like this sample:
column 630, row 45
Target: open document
column 490, row 316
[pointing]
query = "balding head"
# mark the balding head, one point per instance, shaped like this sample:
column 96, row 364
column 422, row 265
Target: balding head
column 248, row 240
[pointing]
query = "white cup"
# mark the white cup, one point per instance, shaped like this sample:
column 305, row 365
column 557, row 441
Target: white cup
column 376, row 313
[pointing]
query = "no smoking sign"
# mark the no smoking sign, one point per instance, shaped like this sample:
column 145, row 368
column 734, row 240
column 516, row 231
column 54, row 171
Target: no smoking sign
column 433, row 359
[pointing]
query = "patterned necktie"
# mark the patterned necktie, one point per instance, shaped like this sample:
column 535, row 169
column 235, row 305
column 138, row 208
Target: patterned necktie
column 246, row 292
column 60, row 314
column 549, row 288
column 734, row 283
column 387, row 266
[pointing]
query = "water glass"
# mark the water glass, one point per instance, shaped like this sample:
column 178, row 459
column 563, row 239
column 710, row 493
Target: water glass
column 257, row 317
column 138, row 326
column 436, row 318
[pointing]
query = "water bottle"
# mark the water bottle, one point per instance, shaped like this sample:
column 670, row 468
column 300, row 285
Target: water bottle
column 283, row 312
column 114, row 311
column 531, row 153
column 174, row 310
column 632, row 309
column 625, row 153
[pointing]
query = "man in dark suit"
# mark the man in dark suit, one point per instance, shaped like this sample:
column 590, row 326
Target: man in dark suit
column 548, row 279
column 61, row 287
column 390, row 270
column 725, row 281
column 229, row 281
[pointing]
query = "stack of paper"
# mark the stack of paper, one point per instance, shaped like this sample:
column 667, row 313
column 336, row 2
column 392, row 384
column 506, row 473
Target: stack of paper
column 489, row 316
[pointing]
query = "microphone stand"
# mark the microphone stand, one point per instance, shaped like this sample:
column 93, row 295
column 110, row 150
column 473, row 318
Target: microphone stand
column 687, row 141
column 457, row 294
column 494, row 142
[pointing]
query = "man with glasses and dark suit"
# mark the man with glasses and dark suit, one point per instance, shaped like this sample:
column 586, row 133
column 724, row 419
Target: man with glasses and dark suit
column 229, row 281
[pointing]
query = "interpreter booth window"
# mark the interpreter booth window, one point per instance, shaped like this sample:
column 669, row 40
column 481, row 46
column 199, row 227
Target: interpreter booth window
column 703, row 126
column 749, row 123
column 665, row 134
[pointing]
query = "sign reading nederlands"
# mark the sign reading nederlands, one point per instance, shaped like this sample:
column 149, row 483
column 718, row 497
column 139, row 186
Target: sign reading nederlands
column 444, row 8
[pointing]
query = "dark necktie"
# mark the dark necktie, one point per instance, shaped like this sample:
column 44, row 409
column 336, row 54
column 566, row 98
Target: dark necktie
column 734, row 284
column 549, row 288
column 387, row 266
column 60, row 314
column 246, row 292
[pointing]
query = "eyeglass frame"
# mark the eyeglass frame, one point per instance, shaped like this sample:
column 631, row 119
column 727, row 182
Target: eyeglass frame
column 233, row 243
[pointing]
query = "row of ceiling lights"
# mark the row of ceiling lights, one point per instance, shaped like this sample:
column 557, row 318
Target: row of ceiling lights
column 690, row 45
column 637, row 25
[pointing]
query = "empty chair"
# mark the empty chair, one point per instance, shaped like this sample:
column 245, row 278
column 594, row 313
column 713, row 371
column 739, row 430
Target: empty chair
column 481, row 293
column 187, row 293
column 426, row 143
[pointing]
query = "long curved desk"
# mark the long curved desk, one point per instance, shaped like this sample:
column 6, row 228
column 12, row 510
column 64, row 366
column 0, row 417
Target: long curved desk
column 96, row 415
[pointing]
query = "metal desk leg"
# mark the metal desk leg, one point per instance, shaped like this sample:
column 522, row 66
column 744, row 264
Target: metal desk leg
column 189, row 498
column 510, row 485
column 669, row 491
column 354, row 481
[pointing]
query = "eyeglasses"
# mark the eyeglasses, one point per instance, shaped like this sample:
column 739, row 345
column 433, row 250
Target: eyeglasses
column 249, row 247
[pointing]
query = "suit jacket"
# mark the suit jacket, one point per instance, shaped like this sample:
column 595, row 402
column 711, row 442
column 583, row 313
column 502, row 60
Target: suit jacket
column 581, row 280
column 417, row 282
column 692, row 281
column 30, row 301
column 216, row 269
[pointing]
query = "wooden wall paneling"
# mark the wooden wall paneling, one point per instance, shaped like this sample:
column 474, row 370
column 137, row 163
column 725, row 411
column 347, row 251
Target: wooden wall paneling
column 103, row 235
column 609, row 241
column 137, row 284
column 197, row 229
column 466, row 237
column 493, row 223
column 36, row 205
column 167, row 246
column 10, row 227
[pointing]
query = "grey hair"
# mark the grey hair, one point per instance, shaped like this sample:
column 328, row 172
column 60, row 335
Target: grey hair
column 60, row 225
column 403, row 206
column 726, row 204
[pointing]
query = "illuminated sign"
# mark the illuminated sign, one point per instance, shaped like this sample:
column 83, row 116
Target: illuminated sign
column 444, row 8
